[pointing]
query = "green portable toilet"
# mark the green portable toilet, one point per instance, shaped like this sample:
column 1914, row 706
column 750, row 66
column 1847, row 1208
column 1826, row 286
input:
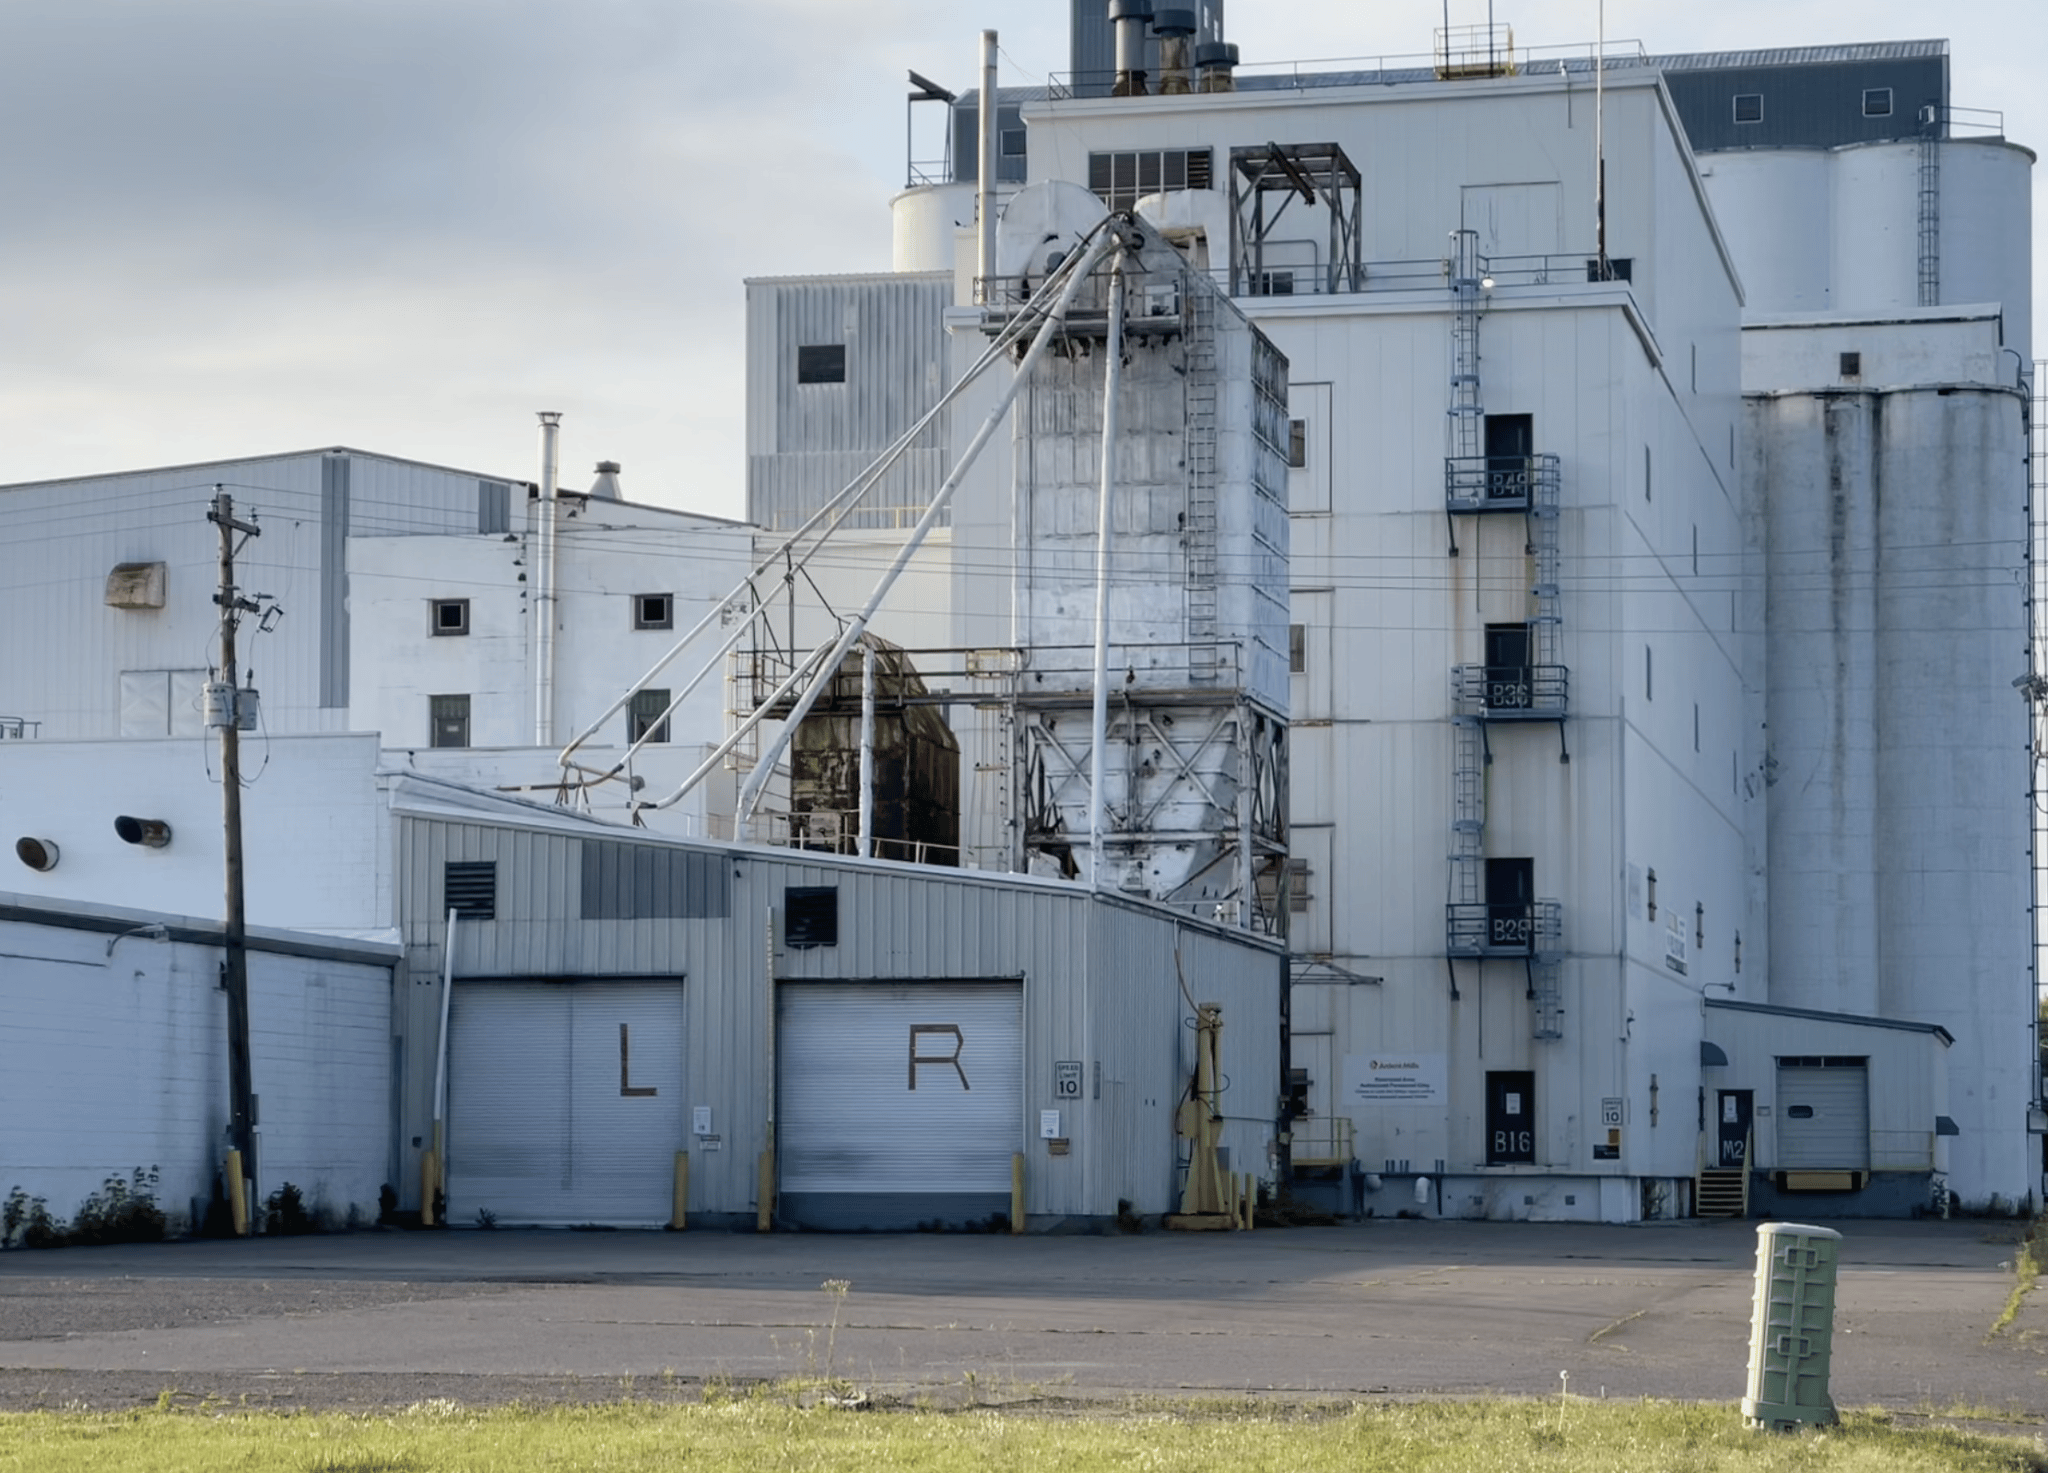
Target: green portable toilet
column 1792, row 1327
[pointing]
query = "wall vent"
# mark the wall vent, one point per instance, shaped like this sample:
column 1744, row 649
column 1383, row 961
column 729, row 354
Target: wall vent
column 810, row 916
column 471, row 887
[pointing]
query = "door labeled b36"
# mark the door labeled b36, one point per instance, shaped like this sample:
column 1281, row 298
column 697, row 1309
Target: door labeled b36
column 1510, row 1116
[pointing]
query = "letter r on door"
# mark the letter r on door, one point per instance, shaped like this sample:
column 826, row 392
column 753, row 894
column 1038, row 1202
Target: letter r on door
column 916, row 1058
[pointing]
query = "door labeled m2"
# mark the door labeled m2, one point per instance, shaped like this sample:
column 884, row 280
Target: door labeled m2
column 1510, row 1116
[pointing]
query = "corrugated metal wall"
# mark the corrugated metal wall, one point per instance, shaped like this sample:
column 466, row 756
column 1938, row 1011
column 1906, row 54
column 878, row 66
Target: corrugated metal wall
column 1100, row 988
column 1817, row 105
column 805, row 442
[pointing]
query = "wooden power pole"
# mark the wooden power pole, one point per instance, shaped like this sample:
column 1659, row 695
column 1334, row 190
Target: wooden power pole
column 222, row 713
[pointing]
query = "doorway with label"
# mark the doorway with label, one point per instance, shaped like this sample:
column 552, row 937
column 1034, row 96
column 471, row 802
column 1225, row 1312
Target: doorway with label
column 1510, row 1116
column 1735, row 1116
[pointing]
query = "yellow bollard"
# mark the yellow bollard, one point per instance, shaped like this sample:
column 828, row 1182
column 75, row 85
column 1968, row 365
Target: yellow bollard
column 679, row 1209
column 238, row 1194
column 1017, row 1193
column 764, row 1212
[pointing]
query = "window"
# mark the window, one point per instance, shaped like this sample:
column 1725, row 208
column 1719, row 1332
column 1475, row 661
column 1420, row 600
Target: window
column 654, row 611
column 648, row 716
column 1652, row 895
column 470, row 888
column 1013, row 143
column 1618, row 268
column 1749, row 107
column 821, row 363
column 1297, row 443
column 447, row 721
column 1877, row 102
column 1297, row 649
column 1852, row 365
column 450, row 616
column 1271, row 283
column 1121, row 179
column 810, row 916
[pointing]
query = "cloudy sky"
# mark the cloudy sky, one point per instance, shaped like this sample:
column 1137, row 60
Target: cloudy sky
column 230, row 227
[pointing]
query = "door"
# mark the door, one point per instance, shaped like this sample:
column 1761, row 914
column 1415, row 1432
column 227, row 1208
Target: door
column 565, row 1101
column 1824, row 1116
column 1737, row 1110
column 1510, row 441
column 898, row 1105
column 1507, row 667
column 1510, row 1116
column 1510, row 898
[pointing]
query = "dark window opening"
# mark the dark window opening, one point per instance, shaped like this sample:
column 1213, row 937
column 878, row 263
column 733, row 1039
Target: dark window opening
column 653, row 611
column 1508, row 682
column 1852, row 365
column 810, row 916
column 1297, row 649
column 1799, row 1112
column 1271, row 283
column 1749, row 107
column 1013, row 143
column 648, row 716
column 448, row 721
column 1510, row 448
column 1877, row 102
column 1618, row 268
column 1511, row 903
column 470, row 888
column 1121, row 179
column 1297, row 443
column 821, row 363
column 451, row 616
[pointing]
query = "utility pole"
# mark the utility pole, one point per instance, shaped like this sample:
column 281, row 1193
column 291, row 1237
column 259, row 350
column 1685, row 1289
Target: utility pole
column 222, row 711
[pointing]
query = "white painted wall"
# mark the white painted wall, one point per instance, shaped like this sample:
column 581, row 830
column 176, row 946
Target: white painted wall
column 118, row 1060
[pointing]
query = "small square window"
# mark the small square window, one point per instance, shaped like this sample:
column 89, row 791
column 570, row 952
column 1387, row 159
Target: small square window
column 1749, row 107
column 1852, row 365
column 450, row 616
column 823, row 363
column 810, row 916
column 648, row 716
column 1877, row 102
column 654, row 611
column 1013, row 143
column 1297, row 443
column 448, row 721
column 1297, row 649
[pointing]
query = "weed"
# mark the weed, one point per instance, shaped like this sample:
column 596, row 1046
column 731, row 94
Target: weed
column 25, row 1222
column 837, row 1289
column 2027, row 1265
column 486, row 1219
column 285, row 1214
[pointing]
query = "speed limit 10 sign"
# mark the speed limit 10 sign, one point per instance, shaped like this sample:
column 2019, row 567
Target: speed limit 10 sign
column 1066, row 1079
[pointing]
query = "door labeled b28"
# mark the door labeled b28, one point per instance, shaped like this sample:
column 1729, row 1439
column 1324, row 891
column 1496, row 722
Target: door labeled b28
column 1510, row 1116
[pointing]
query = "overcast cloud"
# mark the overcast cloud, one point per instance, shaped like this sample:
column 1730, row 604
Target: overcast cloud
column 232, row 227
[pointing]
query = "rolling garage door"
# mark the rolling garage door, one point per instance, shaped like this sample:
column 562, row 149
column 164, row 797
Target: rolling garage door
column 1823, row 1115
column 898, row 1105
column 565, row 1101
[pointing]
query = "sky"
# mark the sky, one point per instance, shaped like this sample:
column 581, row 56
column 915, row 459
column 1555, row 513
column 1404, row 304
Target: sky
column 237, row 227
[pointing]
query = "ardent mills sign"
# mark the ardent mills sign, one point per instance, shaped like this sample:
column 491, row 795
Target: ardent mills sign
column 1395, row 1079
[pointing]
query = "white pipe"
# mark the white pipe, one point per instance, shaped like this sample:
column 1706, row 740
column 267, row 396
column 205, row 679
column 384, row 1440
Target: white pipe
column 867, row 751
column 544, row 588
column 1112, row 379
column 441, row 1048
column 1600, row 142
column 837, row 509
column 985, row 184
column 750, row 792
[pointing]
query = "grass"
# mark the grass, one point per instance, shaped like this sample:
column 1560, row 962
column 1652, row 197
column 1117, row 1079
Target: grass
column 1567, row 1436
column 2027, row 1265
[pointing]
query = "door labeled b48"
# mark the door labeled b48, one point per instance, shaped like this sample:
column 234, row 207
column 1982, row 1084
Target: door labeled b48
column 1510, row 1116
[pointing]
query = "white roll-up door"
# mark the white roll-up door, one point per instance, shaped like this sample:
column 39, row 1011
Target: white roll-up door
column 899, row 1105
column 565, row 1101
column 1823, row 1117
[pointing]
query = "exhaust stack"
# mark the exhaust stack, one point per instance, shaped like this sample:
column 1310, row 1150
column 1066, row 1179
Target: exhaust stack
column 1215, row 65
column 1130, row 18
column 1176, row 32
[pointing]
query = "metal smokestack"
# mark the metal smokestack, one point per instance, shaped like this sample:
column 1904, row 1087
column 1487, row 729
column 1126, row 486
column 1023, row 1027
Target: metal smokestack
column 1216, row 63
column 544, row 587
column 1130, row 19
column 985, row 185
column 1176, row 32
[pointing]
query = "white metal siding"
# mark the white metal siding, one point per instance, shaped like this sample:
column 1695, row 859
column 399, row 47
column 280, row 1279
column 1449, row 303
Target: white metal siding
column 540, row 1126
column 860, row 1120
column 1837, row 1135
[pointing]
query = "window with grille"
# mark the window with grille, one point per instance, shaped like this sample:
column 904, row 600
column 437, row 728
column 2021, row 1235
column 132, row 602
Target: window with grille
column 1749, row 107
column 1877, row 102
column 448, row 721
column 451, row 616
column 470, row 888
column 647, row 716
column 1297, row 649
column 1120, row 180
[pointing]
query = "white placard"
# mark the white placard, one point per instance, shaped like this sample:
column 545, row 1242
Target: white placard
column 1048, row 1125
column 1395, row 1079
column 700, row 1120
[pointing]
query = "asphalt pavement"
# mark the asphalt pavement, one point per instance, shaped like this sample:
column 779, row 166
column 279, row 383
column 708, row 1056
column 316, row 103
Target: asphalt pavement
column 1381, row 1308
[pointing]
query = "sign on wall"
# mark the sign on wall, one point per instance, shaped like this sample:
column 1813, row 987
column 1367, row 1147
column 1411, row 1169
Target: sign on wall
column 1395, row 1079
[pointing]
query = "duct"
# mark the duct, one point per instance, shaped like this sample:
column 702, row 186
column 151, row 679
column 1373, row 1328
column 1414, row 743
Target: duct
column 985, row 184
column 1112, row 380
column 544, row 587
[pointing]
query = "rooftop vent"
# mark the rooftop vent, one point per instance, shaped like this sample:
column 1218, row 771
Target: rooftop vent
column 1176, row 32
column 1129, row 18
column 606, row 486
column 1216, row 66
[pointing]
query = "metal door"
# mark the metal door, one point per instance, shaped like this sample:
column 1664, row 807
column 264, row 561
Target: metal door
column 1510, row 1116
column 1736, row 1111
column 898, row 1105
column 565, row 1101
column 1823, row 1117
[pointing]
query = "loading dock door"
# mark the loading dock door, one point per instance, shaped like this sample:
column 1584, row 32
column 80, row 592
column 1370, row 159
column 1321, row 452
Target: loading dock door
column 565, row 1101
column 1823, row 1117
column 898, row 1105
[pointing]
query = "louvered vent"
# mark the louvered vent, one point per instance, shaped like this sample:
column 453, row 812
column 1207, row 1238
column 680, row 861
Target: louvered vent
column 810, row 916
column 472, row 889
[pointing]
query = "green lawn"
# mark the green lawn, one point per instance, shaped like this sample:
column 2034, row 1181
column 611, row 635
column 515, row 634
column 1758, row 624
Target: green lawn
column 758, row 1433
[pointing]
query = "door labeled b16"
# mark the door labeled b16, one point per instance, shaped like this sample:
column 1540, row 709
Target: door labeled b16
column 1510, row 1116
